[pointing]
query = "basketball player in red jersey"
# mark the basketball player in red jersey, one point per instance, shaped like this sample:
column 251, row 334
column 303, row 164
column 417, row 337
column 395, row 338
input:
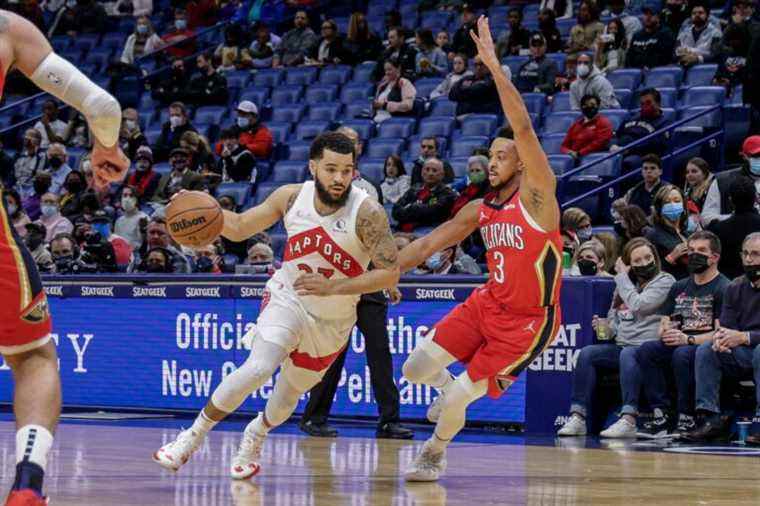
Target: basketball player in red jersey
column 24, row 319
column 511, row 319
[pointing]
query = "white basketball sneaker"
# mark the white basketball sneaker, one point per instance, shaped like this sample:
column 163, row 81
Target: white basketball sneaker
column 173, row 455
column 245, row 463
column 622, row 429
column 576, row 426
column 428, row 465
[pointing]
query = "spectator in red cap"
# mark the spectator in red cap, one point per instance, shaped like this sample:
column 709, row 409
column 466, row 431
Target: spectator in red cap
column 254, row 135
column 717, row 204
column 590, row 133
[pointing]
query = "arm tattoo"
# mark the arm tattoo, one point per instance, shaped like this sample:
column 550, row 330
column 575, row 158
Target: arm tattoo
column 291, row 201
column 375, row 233
column 536, row 199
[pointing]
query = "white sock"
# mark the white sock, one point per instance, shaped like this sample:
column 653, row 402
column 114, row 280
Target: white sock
column 33, row 442
column 438, row 444
column 259, row 426
column 442, row 380
column 203, row 424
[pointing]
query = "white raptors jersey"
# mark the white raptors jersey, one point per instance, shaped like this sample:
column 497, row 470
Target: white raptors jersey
column 327, row 245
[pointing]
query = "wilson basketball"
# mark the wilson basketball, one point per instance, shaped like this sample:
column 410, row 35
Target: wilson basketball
column 194, row 219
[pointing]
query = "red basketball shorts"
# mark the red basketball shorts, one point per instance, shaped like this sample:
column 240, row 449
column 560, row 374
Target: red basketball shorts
column 24, row 316
column 496, row 343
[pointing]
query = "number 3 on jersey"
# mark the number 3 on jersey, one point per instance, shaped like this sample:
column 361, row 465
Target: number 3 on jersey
column 498, row 260
column 323, row 271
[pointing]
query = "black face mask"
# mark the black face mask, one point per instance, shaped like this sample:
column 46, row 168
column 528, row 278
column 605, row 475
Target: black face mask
column 204, row 264
column 155, row 268
column 619, row 229
column 74, row 186
column 697, row 263
column 645, row 272
column 41, row 188
column 587, row 267
column 33, row 241
column 56, row 162
column 752, row 272
column 590, row 112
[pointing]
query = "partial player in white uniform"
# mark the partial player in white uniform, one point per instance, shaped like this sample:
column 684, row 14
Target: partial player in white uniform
column 309, row 305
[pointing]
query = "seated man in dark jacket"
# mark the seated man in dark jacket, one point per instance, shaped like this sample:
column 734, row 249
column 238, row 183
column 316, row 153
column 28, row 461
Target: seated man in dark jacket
column 208, row 88
column 172, row 86
column 539, row 73
column 647, row 121
column 653, row 45
column 426, row 205
column 475, row 93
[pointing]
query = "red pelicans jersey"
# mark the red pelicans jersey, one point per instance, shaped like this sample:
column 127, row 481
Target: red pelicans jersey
column 524, row 261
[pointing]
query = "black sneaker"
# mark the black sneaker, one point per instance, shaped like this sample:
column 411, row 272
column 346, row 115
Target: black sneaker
column 686, row 423
column 657, row 427
column 318, row 429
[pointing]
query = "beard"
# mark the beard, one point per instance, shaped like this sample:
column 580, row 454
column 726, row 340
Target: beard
column 328, row 199
column 500, row 186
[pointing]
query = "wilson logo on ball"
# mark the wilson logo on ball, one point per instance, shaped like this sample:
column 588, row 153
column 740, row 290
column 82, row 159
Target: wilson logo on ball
column 184, row 224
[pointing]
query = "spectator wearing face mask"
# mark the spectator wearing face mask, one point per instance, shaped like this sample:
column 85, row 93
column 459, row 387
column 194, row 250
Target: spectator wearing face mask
column 261, row 256
column 57, row 166
column 179, row 178
column 128, row 224
column 15, row 210
column 476, row 184
column 208, row 260
column 591, row 82
column 157, row 261
column 41, row 186
column 575, row 228
column 201, row 158
column 30, row 160
column 539, row 73
column 74, row 187
column 171, row 131
column 143, row 41
column 207, row 88
column 35, row 241
column 51, row 217
column 168, row 90
column 449, row 261
column 130, row 135
column 588, row 134
column 670, row 233
column 50, row 127
column 589, row 260
column 252, row 133
column 696, row 43
column 236, row 163
column 144, row 179
column 179, row 32
column 64, row 253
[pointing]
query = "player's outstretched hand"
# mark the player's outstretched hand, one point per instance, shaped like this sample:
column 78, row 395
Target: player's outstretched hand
column 109, row 165
column 312, row 284
column 484, row 42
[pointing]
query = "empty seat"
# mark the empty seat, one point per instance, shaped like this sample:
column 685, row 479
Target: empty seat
column 561, row 163
column 439, row 127
column 238, row 191
column 289, row 172
column 659, row 77
column 264, row 190
column 302, row 76
column 288, row 113
column 616, row 117
column 701, row 75
column 280, row 131
column 298, row 150
column 443, row 107
column 426, row 85
column 628, row 79
column 704, row 95
column 210, row 115
column 607, row 169
column 286, row 95
column 268, row 78
column 561, row 102
column 559, row 59
column 372, row 169
column 363, row 72
column 624, row 96
column 712, row 119
column 311, row 129
column 534, row 102
column 463, row 146
column 459, row 165
column 335, row 74
column 382, row 148
column 325, row 112
column 397, row 127
column 552, row 143
column 321, row 93
column 479, row 124
column 364, row 127
column 257, row 95
column 162, row 168
column 356, row 92
column 559, row 122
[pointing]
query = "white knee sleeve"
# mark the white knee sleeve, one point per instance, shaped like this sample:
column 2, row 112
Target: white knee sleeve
column 426, row 362
column 282, row 403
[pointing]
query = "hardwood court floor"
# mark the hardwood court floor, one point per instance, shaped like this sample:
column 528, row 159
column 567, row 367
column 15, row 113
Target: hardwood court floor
column 104, row 465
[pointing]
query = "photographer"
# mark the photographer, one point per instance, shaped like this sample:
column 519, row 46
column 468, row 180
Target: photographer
column 208, row 260
column 35, row 241
column 96, row 253
column 158, row 261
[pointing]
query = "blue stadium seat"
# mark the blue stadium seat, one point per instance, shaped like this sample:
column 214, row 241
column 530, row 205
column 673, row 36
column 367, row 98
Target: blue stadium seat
column 372, row 169
column 239, row 191
column 321, row 93
column 298, row 150
column 237, row 80
column 145, row 119
column 660, row 77
column 364, row 127
column 435, row 20
column 283, row 95
column 356, row 92
column 335, row 74
column 75, row 154
column 561, row 163
column 98, row 58
column 440, row 127
column 302, row 76
column 535, row 102
column 268, row 78
column 624, row 96
column 363, row 72
column 210, row 115
column 704, row 95
column 152, row 134
column 514, row 63
column 443, row 107
column 559, row 122
column 397, row 127
column 564, row 26
column 256, row 95
column 289, row 172
column 459, row 164
column 628, row 79
column 711, row 120
column 85, row 42
column 162, row 168
column 290, row 113
column 356, row 110
column 561, row 102
column 147, row 104
column 264, row 190
column 479, row 124
column 325, row 112
column 552, row 143
column 426, row 85
column 559, row 59
column 310, row 129
column 463, row 146
column 607, row 169
column 112, row 41
column 278, row 243
column 280, row 131
column 616, row 117
column 381, row 148
column 669, row 114
column 701, row 75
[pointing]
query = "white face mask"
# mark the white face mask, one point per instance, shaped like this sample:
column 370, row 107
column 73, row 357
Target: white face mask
column 130, row 124
column 128, row 204
column 12, row 208
column 175, row 121
column 583, row 70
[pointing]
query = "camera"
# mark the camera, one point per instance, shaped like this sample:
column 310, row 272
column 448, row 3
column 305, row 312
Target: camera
column 607, row 37
column 97, row 254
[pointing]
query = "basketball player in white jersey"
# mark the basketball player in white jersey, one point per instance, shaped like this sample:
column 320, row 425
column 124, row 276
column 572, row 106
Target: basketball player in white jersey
column 25, row 341
column 309, row 305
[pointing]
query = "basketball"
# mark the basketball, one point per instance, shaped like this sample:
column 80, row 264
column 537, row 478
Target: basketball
column 194, row 219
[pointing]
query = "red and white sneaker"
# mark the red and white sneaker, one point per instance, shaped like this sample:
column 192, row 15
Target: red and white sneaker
column 173, row 455
column 25, row 497
column 245, row 463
